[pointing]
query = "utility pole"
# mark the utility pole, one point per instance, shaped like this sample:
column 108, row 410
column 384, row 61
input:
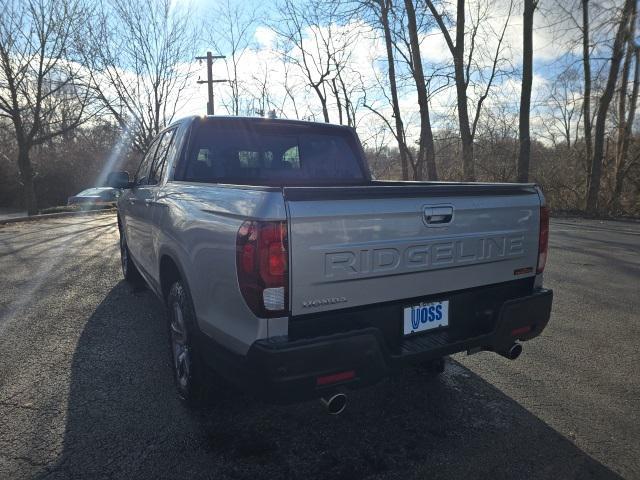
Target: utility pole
column 210, row 81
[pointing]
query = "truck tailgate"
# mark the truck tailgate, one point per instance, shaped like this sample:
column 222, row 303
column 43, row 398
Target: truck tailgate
column 353, row 246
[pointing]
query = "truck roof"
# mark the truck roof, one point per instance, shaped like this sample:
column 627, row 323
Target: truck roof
column 259, row 121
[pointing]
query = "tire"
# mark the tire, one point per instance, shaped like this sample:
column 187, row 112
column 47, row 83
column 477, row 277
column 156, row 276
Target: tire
column 188, row 369
column 129, row 270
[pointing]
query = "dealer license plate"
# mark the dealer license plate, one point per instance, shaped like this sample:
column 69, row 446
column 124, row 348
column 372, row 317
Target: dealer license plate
column 426, row 316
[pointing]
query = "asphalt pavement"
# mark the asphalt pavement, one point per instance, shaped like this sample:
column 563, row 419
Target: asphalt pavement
column 86, row 389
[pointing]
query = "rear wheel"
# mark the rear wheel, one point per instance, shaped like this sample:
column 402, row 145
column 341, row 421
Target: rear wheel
column 188, row 369
column 129, row 270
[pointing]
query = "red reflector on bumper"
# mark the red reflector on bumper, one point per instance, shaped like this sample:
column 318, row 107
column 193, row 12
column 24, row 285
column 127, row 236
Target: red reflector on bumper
column 336, row 377
column 520, row 331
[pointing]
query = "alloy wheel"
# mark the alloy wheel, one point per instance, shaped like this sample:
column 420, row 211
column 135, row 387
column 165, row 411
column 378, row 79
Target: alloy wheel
column 180, row 347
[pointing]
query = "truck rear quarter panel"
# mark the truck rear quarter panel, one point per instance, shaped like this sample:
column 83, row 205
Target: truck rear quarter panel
column 199, row 232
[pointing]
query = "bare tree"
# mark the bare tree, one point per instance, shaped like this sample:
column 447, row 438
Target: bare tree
column 457, row 52
column 382, row 11
column 232, row 26
column 272, row 89
column 348, row 84
column 289, row 88
column 565, row 101
column 617, row 54
column 463, row 60
column 141, row 52
column 625, row 119
column 426, row 152
column 344, row 95
column 525, row 97
column 497, row 144
column 586, row 62
column 39, row 78
column 313, row 41
column 260, row 95
column 384, row 14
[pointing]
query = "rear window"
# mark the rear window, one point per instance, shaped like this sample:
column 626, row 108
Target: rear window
column 285, row 155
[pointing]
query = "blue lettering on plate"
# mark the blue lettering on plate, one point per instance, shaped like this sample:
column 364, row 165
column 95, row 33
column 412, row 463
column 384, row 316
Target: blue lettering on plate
column 429, row 313
column 415, row 318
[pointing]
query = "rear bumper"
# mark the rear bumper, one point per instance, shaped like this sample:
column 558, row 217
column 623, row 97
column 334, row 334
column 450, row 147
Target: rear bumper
column 282, row 370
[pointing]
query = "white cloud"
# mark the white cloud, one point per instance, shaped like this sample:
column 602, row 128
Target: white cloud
column 265, row 37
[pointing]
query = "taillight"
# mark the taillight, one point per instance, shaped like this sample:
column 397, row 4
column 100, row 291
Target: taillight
column 261, row 262
column 543, row 239
column 335, row 378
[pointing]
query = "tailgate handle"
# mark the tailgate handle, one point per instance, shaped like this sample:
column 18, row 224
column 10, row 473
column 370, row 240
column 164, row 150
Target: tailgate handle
column 438, row 215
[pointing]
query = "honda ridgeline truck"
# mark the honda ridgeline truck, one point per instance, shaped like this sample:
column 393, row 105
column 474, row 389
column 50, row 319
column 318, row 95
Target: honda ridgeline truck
column 288, row 270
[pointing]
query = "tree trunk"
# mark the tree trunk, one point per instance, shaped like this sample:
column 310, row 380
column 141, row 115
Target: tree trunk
column 624, row 123
column 426, row 152
column 26, row 178
column 624, row 147
column 347, row 103
column 336, row 93
column 457, row 52
column 325, row 111
column 603, row 108
column 586, row 105
column 461, row 91
column 323, row 102
column 525, row 97
column 384, row 18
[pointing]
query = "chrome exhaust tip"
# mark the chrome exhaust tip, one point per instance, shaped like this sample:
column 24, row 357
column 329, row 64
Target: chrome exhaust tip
column 335, row 404
column 514, row 352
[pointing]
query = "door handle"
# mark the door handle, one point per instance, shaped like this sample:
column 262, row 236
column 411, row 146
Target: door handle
column 438, row 215
column 132, row 201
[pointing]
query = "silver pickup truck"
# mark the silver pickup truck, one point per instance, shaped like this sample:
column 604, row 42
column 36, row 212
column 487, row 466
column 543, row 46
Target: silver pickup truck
column 288, row 270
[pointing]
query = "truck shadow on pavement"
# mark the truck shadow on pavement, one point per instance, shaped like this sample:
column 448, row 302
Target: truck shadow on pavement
column 124, row 421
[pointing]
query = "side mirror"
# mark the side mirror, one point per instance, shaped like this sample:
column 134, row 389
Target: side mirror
column 119, row 180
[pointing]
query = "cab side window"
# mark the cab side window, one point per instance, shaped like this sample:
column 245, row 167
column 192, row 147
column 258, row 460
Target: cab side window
column 161, row 155
column 142, row 174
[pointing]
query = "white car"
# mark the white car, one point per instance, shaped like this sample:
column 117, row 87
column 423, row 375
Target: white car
column 96, row 196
